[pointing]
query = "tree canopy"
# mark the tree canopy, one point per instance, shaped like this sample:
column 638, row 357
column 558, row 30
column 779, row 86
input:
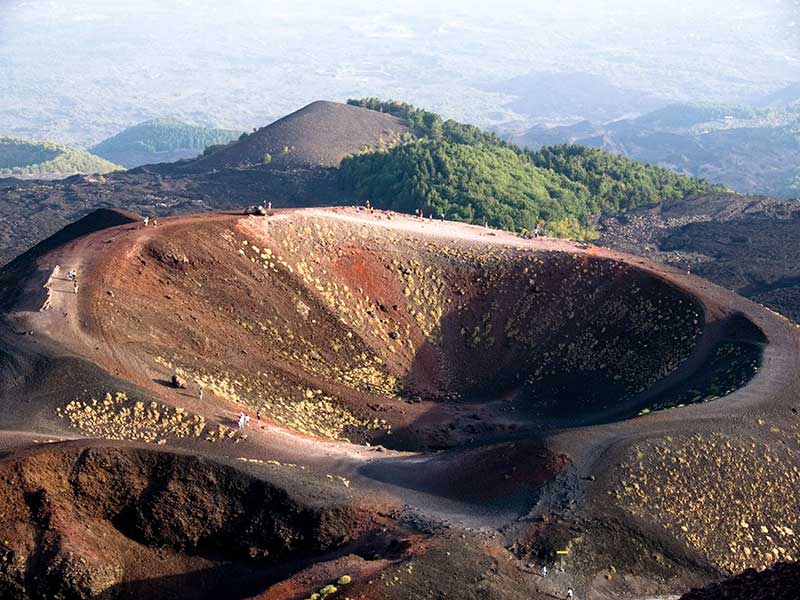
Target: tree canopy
column 159, row 140
column 467, row 174
column 618, row 183
column 472, row 183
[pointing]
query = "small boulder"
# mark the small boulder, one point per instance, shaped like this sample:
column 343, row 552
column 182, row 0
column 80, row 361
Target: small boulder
column 178, row 382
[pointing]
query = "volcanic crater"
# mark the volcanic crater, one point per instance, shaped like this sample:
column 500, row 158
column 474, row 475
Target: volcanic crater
column 345, row 332
column 444, row 367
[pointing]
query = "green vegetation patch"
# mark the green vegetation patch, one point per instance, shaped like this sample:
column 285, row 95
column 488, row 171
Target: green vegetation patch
column 471, row 183
column 19, row 157
column 617, row 183
column 159, row 138
column 466, row 174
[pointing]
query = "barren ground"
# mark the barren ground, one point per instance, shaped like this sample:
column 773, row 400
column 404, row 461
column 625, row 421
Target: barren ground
column 441, row 408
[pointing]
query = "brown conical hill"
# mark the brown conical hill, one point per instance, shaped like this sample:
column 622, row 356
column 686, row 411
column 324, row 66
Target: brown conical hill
column 320, row 134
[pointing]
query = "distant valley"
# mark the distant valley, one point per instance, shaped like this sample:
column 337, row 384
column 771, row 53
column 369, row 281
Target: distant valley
column 753, row 150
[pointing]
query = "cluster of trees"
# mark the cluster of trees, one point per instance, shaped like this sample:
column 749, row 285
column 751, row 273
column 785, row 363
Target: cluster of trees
column 618, row 183
column 471, row 183
column 158, row 139
column 16, row 154
column 24, row 158
column 164, row 135
column 466, row 174
column 430, row 125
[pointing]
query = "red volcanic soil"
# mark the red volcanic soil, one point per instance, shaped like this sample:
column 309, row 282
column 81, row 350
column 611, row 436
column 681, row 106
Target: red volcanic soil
column 436, row 409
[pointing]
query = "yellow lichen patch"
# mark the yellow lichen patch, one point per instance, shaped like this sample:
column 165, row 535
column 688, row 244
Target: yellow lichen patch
column 319, row 415
column 117, row 418
column 302, row 409
column 350, row 367
column 741, row 522
column 424, row 290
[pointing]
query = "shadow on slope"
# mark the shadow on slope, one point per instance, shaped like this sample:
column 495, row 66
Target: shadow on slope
column 99, row 522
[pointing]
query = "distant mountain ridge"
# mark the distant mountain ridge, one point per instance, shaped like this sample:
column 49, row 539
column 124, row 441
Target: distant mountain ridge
column 161, row 140
column 786, row 97
column 22, row 158
column 750, row 150
column 561, row 96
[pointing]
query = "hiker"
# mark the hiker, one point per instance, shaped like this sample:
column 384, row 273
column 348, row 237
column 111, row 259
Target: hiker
column 430, row 217
column 537, row 231
column 200, row 394
column 155, row 223
column 269, row 205
column 241, row 421
column 442, row 215
column 258, row 415
column 247, row 419
column 75, row 286
column 570, row 593
column 544, row 570
column 368, row 205
column 146, row 221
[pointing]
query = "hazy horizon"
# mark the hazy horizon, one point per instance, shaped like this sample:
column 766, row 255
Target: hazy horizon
column 76, row 72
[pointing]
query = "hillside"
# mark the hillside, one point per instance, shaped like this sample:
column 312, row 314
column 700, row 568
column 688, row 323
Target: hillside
column 474, row 184
column 567, row 188
column 160, row 140
column 778, row 582
column 750, row 244
column 20, row 158
column 318, row 135
column 460, row 172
